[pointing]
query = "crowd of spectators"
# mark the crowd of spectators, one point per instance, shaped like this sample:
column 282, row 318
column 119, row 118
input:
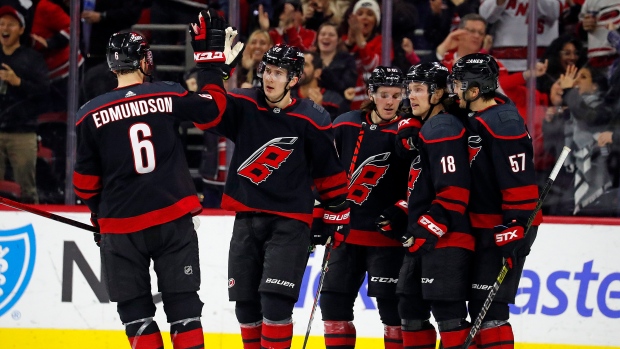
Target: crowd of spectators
column 576, row 76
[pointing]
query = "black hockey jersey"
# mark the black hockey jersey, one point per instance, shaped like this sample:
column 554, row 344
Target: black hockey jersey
column 501, row 157
column 439, row 180
column 130, row 164
column 279, row 155
column 378, row 177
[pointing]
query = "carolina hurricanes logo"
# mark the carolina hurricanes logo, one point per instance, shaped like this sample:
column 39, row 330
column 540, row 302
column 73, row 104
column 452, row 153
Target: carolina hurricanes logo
column 414, row 173
column 260, row 165
column 474, row 145
column 366, row 177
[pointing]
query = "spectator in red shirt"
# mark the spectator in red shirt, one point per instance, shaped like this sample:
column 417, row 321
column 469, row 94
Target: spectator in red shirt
column 289, row 30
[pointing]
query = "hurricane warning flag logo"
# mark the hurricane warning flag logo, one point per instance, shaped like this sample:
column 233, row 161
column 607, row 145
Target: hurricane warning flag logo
column 17, row 255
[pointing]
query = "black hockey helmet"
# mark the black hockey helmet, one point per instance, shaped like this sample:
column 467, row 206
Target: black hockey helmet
column 477, row 69
column 434, row 74
column 385, row 76
column 125, row 50
column 283, row 56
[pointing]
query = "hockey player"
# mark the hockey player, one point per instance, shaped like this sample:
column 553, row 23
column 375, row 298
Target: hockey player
column 131, row 172
column 435, row 273
column 504, row 189
column 365, row 140
column 283, row 146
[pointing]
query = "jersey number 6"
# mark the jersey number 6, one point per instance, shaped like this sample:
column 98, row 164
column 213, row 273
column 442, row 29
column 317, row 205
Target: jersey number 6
column 143, row 151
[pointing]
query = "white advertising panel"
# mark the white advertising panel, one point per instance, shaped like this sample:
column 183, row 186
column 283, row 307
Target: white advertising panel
column 50, row 279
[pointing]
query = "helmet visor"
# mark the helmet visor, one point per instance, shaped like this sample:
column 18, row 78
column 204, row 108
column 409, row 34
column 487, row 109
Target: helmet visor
column 417, row 89
column 455, row 85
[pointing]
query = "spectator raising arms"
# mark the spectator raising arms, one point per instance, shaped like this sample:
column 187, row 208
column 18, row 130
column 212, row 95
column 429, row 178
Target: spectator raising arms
column 289, row 29
column 257, row 44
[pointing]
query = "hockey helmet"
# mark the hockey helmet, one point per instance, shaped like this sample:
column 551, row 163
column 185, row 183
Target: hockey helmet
column 477, row 69
column 385, row 76
column 434, row 74
column 125, row 50
column 283, row 56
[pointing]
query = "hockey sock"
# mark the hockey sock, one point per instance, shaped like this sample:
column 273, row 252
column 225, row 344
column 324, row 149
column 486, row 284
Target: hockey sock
column 251, row 334
column 392, row 337
column 187, row 334
column 496, row 337
column 418, row 334
column 339, row 334
column 454, row 339
column 277, row 335
column 144, row 334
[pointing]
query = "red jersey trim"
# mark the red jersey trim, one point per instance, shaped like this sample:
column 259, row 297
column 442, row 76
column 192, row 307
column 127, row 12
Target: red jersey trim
column 456, row 239
column 450, row 206
column 526, row 192
column 247, row 99
column 370, row 238
column 332, row 186
column 219, row 96
column 481, row 220
column 442, row 139
column 496, row 135
column 326, row 127
column 84, row 195
column 86, row 182
column 228, row 203
column 454, row 193
column 189, row 204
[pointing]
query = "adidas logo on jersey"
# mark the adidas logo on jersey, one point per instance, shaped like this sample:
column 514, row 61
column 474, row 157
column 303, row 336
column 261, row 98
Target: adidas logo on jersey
column 129, row 94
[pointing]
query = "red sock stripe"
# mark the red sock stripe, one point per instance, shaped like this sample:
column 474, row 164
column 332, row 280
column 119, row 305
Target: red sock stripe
column 251, row 336
column 424, row 339
column 455, row 339
column 193, row 339
column 276, row 336
column 496, row 338
column 147, row 341
column 392, row 337
column 339, row 334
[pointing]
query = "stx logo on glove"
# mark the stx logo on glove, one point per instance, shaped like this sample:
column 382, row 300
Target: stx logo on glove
column 366, row 177
column 258, row 167
column 431, row 226
column 209, row 56
column 507, row 236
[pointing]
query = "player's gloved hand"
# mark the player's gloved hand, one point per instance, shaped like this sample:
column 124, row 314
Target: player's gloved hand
column 424, row 237
column 393, row 221
column 95, row 223
column 510, row 238
column 211, row 40
column 336, row 218
column 318, row 231
column 407, row 136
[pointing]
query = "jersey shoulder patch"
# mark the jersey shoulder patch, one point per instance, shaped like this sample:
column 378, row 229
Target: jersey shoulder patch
column 441, row 126
column 354, row 116
column 313, row 111
column 503, row 121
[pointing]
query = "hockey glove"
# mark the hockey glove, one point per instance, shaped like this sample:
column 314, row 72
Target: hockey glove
column 424, row 237
column 510, row 239
column 393, row 221
column 336, row 218
column 407, row 136
column 211, row 41
column 318, row 231
column 95, row 223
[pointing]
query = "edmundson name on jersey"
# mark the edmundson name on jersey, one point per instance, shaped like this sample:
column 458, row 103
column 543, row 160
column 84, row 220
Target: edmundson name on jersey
column 134, row 108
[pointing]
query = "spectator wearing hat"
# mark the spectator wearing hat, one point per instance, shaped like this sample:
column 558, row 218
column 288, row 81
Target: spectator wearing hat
column 23, row 84
column 363, row 40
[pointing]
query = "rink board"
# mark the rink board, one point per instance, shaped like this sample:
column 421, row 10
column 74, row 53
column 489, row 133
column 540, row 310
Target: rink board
column 51, row 295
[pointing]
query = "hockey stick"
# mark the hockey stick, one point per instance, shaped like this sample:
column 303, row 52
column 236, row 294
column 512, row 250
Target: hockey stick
column 500, row 278
column 328, row 244
column 328, row 252
column 17, row 205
